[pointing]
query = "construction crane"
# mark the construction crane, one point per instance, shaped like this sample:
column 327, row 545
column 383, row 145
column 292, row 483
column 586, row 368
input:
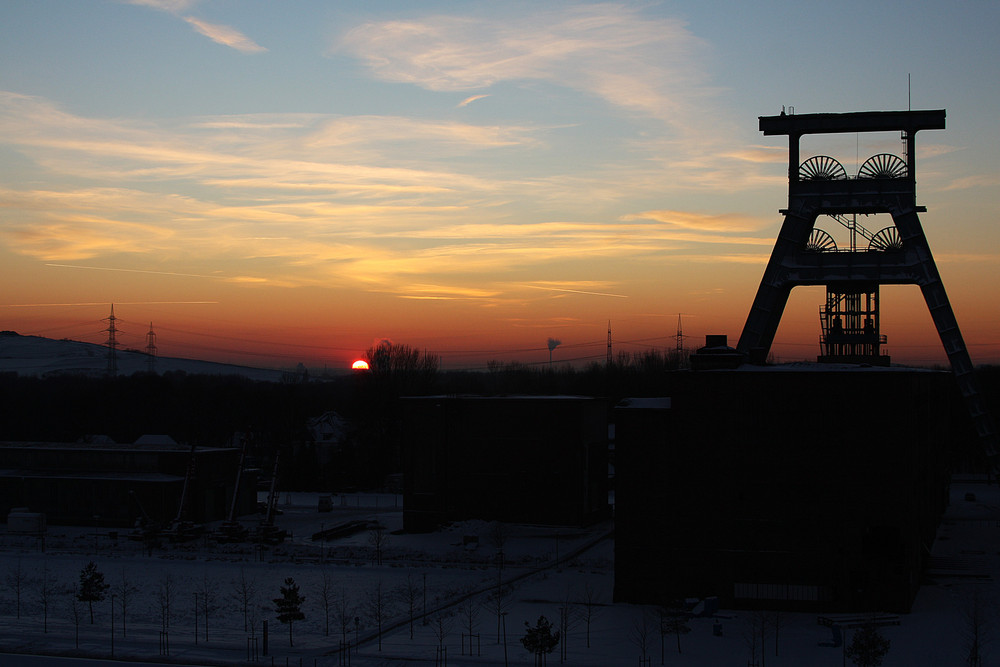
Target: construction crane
column 266, row 532
column 181, row 529
column 231, row 529
column 145, row 529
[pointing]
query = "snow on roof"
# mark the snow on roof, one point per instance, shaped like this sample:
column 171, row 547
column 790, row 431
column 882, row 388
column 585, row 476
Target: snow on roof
column 156, row 477
column 149, row 439
column 816, row 367
column 505, row 397
column 662, row 403
column 111, row 446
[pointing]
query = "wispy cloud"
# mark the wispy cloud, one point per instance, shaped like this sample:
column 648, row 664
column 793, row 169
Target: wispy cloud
column 975, row 181
column 172, row 6
column 469, row 100
column 727, row 222
column 220, row 34
column 645, row 64
column 310, row 199
column 225, row 35
column 648, row 70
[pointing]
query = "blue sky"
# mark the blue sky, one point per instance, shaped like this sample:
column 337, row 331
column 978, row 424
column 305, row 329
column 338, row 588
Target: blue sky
column 469, row 177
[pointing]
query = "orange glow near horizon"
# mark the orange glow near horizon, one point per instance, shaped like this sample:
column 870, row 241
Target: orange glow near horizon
column 267, row 328
column 360, row 365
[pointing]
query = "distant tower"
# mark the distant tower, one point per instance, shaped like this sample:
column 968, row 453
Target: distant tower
column 151, row 349
column 679, row 344
column 609, row 342
column 896, row 255
column 112, row 343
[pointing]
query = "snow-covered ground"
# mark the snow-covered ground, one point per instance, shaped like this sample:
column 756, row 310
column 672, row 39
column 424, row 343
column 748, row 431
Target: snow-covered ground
column 549, row 569
column 38, row 356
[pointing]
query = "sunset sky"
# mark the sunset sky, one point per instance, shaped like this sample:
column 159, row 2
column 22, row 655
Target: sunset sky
column 280, row 182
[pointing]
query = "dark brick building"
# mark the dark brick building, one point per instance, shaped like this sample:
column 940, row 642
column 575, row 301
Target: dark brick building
column 808, row 487
column 529, row 459
column 74, row 482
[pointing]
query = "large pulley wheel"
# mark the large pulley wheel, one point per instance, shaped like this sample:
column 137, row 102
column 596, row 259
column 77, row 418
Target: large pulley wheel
column 821, row 168
column 883, row 165
column 820, row 241
column 887, row 239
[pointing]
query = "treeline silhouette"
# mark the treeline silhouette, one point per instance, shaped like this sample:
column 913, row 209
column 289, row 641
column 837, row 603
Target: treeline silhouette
column 210, row 410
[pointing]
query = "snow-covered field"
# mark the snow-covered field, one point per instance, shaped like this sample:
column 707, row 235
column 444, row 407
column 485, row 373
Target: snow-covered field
column 38, row 356
column 548, row 569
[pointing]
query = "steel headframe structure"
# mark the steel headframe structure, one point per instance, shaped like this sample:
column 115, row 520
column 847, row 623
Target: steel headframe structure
column 898, row 255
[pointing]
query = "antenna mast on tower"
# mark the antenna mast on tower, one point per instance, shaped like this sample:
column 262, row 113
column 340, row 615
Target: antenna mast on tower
column 609, row 342
column 112, row 343
column 151, row 349
column 679, row 344
column 679, row 347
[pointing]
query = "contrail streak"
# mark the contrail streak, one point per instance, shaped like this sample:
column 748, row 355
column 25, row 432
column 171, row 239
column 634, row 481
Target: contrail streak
column 577, row 291
column 108, row 268
column 101, row 303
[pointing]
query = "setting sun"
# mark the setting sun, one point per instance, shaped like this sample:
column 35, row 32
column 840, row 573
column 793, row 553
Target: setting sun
column 360, row 365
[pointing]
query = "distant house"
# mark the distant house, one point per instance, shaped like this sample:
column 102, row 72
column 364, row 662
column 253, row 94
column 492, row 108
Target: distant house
column 74, row 482
column 328, row 430
column 809, row 487
column 527, row 459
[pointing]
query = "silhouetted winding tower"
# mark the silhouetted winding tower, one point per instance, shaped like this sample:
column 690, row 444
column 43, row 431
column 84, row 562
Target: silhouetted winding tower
column 897, row 255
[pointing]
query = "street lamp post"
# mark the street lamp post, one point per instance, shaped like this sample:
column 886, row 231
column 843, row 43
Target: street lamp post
column 112, row 625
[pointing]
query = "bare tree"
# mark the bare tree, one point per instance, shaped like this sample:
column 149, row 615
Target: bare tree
column 327, row 598
column 441, row 624
column 47, row 590
column 591, row 605
column 126, row 591
column 206, row 598
column 468, row 612
column 643, row 626
column 409, row 593
column 244, row 592
column 754, row 634
column 977, row 619
column 378, row 538
column 165, row 593
column 498, row 601
column 377, row 607
column 499, row 533
column 17, row 580
column 343, row 614
column 75, row 613
column 567, row 620
column 778, row 621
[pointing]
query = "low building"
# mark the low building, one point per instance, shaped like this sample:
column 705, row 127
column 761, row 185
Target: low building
column 801, row 487
column 113, row 484
column 525, row 459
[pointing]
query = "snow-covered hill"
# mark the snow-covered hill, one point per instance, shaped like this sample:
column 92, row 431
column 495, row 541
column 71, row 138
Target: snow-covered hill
column 37, row 356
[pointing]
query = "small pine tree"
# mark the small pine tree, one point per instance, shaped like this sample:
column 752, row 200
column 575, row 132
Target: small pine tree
column 540, row 640
column 92, row 587
column 674, row 621
column 289, row 605
column 868, row 647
